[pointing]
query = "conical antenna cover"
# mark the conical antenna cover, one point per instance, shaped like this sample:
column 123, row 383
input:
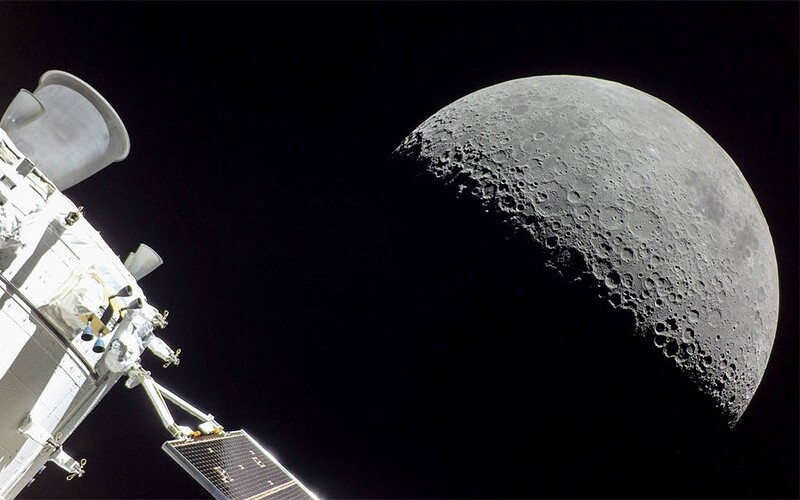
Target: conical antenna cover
column 143, row 261
column 24, row 109
column 66, row 128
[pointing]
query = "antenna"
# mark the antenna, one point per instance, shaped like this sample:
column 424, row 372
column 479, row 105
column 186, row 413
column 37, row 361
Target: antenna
column 66, row 128
column 143, row 261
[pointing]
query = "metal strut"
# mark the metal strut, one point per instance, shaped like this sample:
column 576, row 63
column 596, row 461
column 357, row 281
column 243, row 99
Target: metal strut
column 159, row 395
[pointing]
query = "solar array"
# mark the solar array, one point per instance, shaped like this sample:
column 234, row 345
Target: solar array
column 234, row 466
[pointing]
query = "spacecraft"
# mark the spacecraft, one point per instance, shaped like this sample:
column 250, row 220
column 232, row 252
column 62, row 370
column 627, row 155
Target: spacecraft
column 74, row 320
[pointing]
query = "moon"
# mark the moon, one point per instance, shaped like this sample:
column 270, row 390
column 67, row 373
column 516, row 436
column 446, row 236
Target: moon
column 629, row 197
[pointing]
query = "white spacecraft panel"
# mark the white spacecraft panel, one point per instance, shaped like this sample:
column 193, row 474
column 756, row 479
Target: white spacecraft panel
column 11, row 320
column 234, row 466
column 41, row 383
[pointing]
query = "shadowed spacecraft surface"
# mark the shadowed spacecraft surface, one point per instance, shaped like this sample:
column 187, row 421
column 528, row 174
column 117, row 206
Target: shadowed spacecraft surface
column 73, row 319
column 626, row 197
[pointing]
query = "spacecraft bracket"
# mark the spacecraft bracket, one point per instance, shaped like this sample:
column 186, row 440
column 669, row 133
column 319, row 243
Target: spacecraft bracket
column 159, row 395
column 160, row 320
column 74, row 467
column 58, row 456
column 164, row 352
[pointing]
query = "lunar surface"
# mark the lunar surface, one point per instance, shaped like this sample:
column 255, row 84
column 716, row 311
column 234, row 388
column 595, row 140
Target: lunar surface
column 630, row 198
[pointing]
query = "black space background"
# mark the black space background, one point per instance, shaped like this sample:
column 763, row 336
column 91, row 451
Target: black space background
column 381, row 338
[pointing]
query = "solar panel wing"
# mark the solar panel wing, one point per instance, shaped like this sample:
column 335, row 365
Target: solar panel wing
column 234, row 466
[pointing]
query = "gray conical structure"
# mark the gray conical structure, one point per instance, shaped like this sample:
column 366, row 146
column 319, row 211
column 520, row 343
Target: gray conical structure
column 625, row 192
column 66, row 128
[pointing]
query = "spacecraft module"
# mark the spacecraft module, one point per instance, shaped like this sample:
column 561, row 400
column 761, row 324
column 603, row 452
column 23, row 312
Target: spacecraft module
column 73, row 319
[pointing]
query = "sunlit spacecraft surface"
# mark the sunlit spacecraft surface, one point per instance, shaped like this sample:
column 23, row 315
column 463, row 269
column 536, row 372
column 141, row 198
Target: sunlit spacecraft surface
column 73, row 319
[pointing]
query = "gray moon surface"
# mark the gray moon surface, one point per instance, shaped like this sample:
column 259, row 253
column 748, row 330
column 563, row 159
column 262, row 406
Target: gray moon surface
column 630, row 197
